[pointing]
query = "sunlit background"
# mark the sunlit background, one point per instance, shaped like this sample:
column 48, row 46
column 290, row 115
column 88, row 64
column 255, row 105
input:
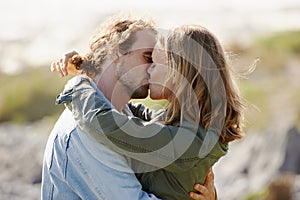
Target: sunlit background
column 36, row 32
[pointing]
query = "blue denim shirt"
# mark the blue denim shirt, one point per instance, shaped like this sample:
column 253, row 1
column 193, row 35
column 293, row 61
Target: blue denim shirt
column 77, row 167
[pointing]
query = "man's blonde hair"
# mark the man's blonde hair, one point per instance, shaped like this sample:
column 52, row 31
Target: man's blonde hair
column 117, row 33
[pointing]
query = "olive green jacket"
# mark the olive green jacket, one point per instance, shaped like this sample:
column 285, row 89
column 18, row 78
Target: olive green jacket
column 168, row 160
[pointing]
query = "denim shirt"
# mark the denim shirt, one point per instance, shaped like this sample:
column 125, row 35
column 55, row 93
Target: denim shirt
column 174, row 158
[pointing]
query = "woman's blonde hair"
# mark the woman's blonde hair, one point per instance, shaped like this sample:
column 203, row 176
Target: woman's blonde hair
column 201, row 75
column 117, row 33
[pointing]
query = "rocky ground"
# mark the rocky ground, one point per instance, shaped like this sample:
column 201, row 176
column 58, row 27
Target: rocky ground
column 253, row 163
column 21, row 152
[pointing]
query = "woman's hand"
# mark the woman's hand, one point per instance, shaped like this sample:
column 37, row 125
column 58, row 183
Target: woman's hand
column 64, row 66
column 206, row 191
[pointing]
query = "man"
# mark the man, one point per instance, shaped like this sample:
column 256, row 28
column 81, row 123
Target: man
column 76, row 166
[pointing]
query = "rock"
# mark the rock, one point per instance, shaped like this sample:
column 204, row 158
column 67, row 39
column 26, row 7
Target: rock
column 292, row 152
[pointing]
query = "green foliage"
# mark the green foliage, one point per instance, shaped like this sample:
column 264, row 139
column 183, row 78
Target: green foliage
column 259, row 96
column 275, row 51
column 153, row 104
column 257, row 112
column 271, row 80
column 260, row 195
column 284, row 42
column 296, row 97
column 30, row 95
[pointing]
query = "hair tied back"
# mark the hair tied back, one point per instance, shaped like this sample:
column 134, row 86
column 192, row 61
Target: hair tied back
column 77, row 60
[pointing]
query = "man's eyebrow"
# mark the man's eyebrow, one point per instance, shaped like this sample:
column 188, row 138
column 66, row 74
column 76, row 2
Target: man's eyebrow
column 148, row 53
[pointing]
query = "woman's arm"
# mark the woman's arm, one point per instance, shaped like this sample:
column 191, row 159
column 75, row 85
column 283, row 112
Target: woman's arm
column 173, row 148
column 207, row 191
column 140, row 111
column 64, row 66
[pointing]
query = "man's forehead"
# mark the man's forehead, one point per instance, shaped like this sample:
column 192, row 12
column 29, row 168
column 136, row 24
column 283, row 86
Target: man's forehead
column 145, row 40
column 147, row 51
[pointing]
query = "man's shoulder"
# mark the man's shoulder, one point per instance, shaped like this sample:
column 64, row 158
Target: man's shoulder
column 65, row 123
column 60, row 134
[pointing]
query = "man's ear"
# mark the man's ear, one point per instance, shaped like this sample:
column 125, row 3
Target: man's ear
column 117, row 54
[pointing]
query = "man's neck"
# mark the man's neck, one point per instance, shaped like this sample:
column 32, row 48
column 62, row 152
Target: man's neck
column 109, row 85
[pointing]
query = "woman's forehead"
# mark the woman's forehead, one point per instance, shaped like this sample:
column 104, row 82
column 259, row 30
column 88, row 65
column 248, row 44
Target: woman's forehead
column 158, row 55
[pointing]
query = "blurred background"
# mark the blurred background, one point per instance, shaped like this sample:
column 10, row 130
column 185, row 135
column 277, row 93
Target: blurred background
column 264, row 165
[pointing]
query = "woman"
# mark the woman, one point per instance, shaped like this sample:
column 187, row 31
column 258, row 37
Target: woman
column 202, row 97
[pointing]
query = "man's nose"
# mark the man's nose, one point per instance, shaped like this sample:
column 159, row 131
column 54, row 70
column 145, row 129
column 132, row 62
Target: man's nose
column 150, row 67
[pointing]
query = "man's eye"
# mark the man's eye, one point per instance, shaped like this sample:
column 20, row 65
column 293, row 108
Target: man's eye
column 148, row 59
